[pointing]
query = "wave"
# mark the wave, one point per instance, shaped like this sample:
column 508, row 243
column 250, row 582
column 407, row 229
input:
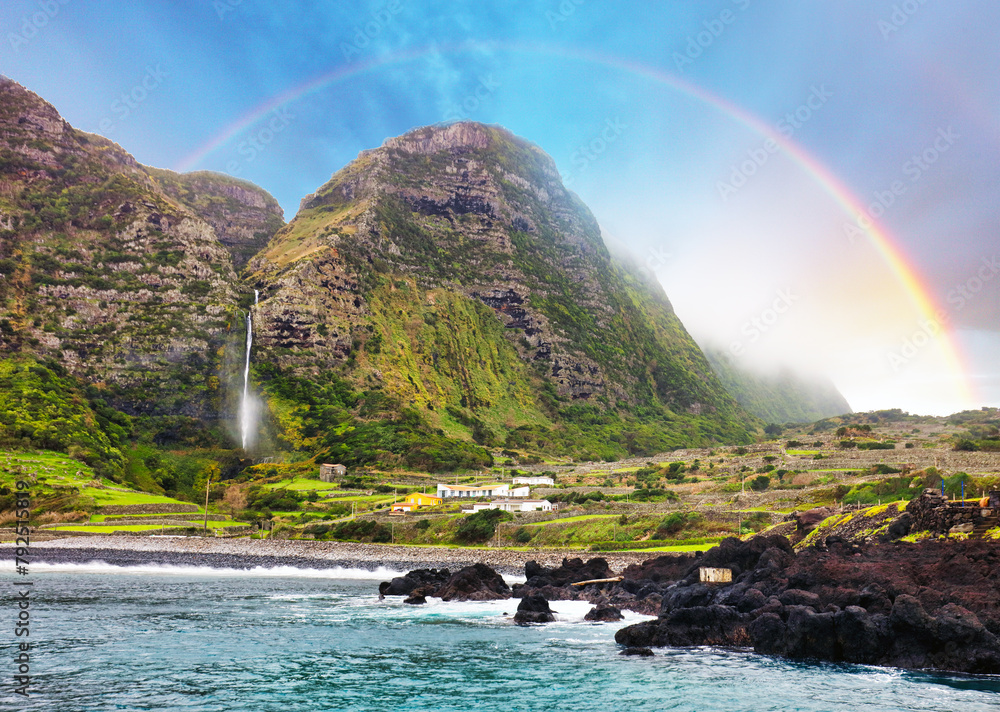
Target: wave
column 101, row 567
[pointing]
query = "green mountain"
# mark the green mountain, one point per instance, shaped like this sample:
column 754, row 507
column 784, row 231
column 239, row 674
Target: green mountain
column 784, row 397
column 116, row 271
column 448, row 278
column 441, row 296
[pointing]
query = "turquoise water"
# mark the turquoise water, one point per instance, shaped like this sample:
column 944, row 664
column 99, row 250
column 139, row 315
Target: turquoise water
column 182, row 639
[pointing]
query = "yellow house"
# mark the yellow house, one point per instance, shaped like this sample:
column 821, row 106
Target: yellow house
column 414, row 501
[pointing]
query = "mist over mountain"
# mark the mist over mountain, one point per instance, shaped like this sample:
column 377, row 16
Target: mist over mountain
column 784, row 396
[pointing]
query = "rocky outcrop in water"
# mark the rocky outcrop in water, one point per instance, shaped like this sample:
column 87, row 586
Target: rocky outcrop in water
column 927, row 605
column 478, row 582
column 533, row 609
column 603, row 613
column 641, row 588
column 404, row 585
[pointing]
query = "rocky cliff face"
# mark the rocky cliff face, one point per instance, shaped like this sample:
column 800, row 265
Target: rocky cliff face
column 442, row 289
column 243, row 215
column 451, row 270
column 104, row 271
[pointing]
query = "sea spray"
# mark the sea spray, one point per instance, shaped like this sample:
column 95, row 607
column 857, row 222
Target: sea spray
column 246, row 408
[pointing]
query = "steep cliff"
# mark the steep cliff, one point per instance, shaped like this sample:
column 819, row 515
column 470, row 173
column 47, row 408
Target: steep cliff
column 450, row 273
column 243, row 215
column 105, row 273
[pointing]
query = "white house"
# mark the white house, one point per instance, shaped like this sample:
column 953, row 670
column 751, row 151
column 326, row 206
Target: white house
column 512, row 505
column 494, row 490
column 539, row 480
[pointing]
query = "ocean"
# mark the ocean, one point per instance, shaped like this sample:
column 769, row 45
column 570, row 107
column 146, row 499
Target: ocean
column 187, row 638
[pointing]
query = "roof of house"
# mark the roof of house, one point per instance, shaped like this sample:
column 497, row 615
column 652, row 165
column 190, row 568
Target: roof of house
column 473, row 487
column 422, row 494
column 518, row 501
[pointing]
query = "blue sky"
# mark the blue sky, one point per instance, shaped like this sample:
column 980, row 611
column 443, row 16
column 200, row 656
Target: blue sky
column 645, row 108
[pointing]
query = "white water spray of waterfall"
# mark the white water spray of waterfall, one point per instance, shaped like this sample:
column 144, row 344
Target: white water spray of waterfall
column 246, row 408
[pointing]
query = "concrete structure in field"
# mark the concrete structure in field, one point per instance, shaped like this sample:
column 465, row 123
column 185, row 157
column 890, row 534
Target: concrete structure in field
column 471, row 492
column 512, row 505
column 329, row 473
column 414, row 501
column 534, row 480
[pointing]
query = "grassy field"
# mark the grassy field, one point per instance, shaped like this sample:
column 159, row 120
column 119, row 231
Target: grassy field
column 681, row 548
column 302, row 484
column 141, row 527
column 61, row 481
column 568, row 520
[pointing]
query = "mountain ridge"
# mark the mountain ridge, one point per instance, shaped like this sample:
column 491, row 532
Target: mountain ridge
column 439, row 297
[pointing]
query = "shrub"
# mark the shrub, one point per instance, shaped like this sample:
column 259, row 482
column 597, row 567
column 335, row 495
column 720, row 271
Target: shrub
column 480, row 526
column 522, row 536
column 760, row 483
column 423, row 525
column 675, row 522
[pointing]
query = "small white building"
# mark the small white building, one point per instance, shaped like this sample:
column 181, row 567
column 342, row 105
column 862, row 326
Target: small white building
column 494, row 490
column 512, row 505
column 469, row 491
column 533, row 480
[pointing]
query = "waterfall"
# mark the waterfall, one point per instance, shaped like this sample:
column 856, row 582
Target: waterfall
column 246, row 408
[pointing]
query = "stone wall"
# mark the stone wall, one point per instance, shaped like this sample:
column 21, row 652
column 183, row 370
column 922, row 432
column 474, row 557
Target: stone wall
column 147, row 508
column 933, row 512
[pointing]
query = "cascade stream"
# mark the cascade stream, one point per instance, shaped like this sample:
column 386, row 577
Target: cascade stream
column 246, row 411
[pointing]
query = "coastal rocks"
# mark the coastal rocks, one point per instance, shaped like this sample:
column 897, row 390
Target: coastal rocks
column 603, row 614
column 404, row 585
column 419, row 595
column 927, row 605
column 640, row 589
column 571, row 571
column 474, row 583
column 533, row 609
column 478, row 582
column 640, row 652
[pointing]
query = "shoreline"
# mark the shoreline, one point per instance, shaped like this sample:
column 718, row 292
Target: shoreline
column 271, row 553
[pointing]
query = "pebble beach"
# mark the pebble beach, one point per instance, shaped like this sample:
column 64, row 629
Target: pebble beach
column 252, row 553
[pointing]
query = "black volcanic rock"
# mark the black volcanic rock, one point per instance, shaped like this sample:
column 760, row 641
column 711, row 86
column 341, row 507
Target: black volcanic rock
column 474, row 583
column 404, row 585
column 478, row 582
column 533, row 609
column 603, row 613
column 641, row 652
column 870, row 605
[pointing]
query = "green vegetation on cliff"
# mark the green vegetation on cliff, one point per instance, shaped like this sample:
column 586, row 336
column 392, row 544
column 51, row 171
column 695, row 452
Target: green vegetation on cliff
column 452, row 273
column 783, row 397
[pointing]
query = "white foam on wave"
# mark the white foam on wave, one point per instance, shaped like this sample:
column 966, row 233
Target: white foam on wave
column 100, row 567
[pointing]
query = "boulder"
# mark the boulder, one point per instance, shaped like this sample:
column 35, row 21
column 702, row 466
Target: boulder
column 641, row 652
column 474, row 583
column 571, row 571
column 533, row 609
column 604, row 614
column 807, row 521
column 419, row 595
column 404, row 585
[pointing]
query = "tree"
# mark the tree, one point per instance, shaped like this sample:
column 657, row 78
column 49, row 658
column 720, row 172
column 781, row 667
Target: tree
column 773, row 430
column 235, row 498
column 209, row 473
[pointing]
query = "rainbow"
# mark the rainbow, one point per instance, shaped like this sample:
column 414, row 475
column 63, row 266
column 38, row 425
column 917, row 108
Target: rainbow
column 885, row 244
